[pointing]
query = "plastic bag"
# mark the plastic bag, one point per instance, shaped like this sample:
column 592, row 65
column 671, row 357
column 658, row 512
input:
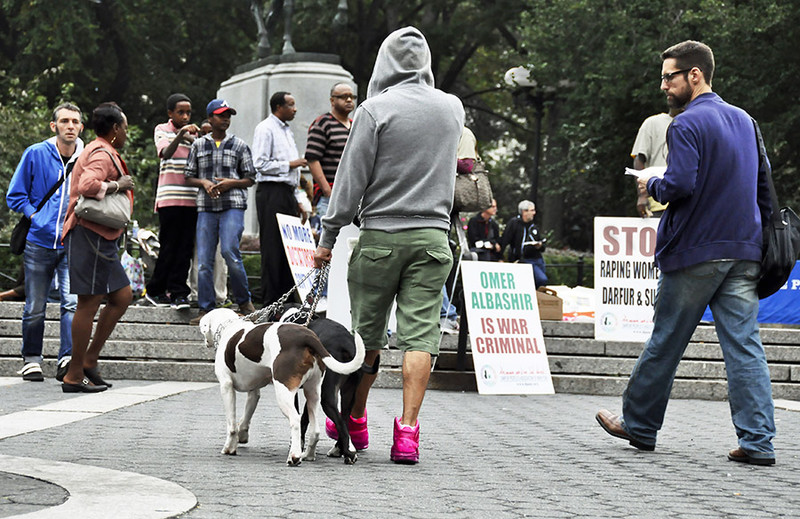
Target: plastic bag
column 134, row 268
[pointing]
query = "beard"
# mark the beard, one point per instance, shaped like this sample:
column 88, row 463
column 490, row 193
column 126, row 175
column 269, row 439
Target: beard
column 680, row 99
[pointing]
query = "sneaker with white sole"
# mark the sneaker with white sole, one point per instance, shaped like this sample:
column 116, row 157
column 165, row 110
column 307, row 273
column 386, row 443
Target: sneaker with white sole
column 161, row 301
column 179, row 303
column 32, row 372
column 405, row 448
column 449, row 326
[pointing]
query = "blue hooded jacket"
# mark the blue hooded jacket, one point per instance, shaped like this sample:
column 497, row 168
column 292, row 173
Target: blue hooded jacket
column 38, row 170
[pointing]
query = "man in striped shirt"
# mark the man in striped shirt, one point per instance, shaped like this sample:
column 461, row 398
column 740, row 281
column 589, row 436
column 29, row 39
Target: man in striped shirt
column 327, row 136
column 176, row 204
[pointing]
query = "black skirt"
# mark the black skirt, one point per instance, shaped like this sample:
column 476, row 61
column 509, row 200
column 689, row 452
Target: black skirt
column 94, row 266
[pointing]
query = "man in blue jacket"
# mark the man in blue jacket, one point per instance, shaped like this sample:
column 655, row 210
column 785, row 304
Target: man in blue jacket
column 709, row 251
column 41, row 167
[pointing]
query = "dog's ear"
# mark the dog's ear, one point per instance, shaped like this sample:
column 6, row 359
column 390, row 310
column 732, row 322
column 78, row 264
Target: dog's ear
column 205, row 329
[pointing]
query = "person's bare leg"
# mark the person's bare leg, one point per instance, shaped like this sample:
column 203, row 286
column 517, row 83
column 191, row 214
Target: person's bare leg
column 416, row 372
column 82, row 323
column 362, row 391
column 116, row 306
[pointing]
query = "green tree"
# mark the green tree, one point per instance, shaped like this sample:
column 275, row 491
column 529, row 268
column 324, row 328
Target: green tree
column 595, row 62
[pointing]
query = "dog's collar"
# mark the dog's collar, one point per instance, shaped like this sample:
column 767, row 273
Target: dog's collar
column 221, row 328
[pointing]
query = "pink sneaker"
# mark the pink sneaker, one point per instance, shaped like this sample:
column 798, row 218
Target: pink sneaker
column 406, row 443
column 359, row 434
column 330, row 429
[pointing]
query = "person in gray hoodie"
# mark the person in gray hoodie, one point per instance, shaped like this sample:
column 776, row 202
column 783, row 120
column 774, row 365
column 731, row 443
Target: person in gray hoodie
column 398, row 174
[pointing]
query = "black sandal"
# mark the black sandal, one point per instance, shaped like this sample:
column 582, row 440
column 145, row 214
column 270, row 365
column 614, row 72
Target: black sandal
column 83, row 387
column 95, row 378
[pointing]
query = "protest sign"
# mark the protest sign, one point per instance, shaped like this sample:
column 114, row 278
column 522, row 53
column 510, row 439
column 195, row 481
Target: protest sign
column 505, row 332
column 625, row 278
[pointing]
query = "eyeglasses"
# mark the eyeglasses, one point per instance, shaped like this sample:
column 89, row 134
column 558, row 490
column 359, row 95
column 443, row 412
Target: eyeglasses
column 670, row 76
column 346, row 97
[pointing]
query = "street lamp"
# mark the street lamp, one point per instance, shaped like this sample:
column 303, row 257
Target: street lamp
column 526, row 93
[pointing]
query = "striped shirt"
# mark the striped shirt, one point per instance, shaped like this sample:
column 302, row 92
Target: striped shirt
column 326, row 139
column 231, row 159
column 172, row 189
column 273, row 149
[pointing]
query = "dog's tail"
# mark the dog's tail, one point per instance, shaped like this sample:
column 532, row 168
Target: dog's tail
column 345, row 368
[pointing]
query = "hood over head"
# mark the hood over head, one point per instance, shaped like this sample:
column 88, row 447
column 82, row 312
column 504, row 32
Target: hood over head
column 404, row 57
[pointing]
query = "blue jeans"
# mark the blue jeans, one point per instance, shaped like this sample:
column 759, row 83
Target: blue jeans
column 729, row 288
column 448, row 311
column 225, row 227
column 539, row 271
column 322, row 205
column 41, row 265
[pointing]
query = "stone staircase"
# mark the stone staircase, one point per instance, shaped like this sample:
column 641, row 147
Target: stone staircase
column 159, row 344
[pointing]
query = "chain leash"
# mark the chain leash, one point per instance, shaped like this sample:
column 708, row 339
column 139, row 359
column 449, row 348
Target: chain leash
column 316, row 289
column 267, row 313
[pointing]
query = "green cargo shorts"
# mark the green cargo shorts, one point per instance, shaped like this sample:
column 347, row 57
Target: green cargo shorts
column 410, row 266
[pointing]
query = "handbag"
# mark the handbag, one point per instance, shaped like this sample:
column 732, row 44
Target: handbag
column 112, row 210
column 781, row 235
column 20, row 233
column 473, row 192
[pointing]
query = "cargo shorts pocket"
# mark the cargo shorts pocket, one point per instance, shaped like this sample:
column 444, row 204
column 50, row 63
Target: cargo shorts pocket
column 375, row 253
column 370, row 266
column 442, row 256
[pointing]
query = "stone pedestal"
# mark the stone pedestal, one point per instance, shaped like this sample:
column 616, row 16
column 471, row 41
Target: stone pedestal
column 307, row 76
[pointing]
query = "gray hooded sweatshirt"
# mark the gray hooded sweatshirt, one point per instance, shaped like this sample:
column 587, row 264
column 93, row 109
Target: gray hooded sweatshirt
column 399, row 164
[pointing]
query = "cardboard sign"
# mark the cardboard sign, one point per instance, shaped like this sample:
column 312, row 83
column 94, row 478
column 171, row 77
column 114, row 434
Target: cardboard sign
column 625, row 278
column 504, row 329
column 299, row 246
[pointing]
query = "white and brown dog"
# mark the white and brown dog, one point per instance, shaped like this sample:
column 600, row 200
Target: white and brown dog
column 250, row 356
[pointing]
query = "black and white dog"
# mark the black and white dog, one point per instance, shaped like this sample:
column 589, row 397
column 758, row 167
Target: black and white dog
column 336, row 388
column 250, row 356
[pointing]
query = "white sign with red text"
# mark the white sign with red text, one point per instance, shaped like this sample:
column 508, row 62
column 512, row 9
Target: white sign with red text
column 504, row 329
column 625, row 278
column 299, row 245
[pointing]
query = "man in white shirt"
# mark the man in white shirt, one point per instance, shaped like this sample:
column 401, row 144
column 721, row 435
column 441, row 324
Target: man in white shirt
column 277, row 164
column 650, row 149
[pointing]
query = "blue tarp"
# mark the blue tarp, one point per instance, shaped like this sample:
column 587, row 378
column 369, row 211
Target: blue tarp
column 781, row 307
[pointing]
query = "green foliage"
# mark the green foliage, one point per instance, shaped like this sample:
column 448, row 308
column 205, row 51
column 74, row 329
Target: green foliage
column 140, row 156
column 563, row 267
column 597, row 65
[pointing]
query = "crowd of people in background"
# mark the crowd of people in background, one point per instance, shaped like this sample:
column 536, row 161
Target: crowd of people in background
column 204, row 174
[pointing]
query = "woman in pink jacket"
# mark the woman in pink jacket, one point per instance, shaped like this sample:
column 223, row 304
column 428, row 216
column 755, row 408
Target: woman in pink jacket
column 95, row 272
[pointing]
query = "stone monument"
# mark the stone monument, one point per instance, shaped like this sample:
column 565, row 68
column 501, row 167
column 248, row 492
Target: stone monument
column 307, row 76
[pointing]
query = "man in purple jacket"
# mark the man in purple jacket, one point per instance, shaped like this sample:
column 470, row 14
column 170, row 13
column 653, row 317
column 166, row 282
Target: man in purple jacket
column 709, row 251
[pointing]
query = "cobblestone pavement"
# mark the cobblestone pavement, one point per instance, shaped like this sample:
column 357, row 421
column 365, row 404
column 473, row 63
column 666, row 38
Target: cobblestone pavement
column 481, row 457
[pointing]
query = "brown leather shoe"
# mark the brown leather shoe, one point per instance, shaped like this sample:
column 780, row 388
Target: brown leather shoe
column 739, row 455
column 247, row 308
column 195, row 321
column 613, row 426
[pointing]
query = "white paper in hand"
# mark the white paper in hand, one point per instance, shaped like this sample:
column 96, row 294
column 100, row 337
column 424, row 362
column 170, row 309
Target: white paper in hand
column 654, row 171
